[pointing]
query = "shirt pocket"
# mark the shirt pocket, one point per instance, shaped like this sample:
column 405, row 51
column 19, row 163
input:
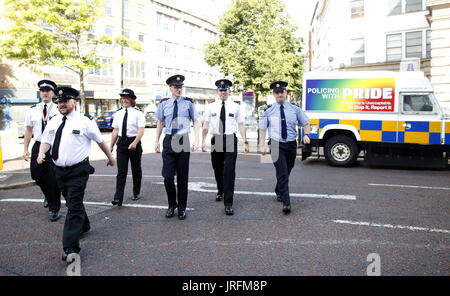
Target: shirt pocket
column 183, row 111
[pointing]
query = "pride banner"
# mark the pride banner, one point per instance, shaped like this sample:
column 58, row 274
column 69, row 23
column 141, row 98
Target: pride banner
column 363, row 95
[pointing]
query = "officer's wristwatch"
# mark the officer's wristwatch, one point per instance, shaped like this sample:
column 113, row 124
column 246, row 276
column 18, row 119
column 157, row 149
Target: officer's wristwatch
column 246, row 142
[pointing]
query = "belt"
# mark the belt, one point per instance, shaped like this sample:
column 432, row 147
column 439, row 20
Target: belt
column 86, row 160
column 176, row 136
column 127, row 138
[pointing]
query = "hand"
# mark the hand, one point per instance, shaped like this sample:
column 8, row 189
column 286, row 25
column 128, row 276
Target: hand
column 41, row 158
column 204, row 147
column 111, row 162
column 132, row 146
column 111, row 148
column 263, row 148
column 26, row 156
column 306, row 140
column 157, row 147
column 246, row 149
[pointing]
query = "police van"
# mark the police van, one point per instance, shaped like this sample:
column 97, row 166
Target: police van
column 393, row 118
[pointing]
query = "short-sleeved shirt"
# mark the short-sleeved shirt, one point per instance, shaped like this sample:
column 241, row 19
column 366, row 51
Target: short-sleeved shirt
column 186, row 113
column 135, row 120
column 233, row 116
column 35, row 117
column 76, row 137
column 271, row 120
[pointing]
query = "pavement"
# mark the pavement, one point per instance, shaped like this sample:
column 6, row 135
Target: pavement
column 341, row 218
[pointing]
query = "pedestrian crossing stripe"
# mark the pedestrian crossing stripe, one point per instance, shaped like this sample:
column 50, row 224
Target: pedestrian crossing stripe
column 390, row 131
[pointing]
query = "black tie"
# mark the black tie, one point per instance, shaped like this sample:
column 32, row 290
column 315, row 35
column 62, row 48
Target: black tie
column 55, row 149
column 124, row 124
column 174, row 118
column 44, row 122
column 222, row 119
column 283, row 124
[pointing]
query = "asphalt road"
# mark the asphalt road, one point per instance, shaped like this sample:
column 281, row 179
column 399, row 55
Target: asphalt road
column 339, row 216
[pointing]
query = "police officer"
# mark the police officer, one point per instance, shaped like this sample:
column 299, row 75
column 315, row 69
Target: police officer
column 222, row 119
column 129, row 126
column 281, row 119
column 176, row 113
column 37, row 118
column 69, row 136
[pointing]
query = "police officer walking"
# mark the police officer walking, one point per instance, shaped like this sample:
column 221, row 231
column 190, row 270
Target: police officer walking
column 222, row 119
column 37, row 119
column 129, row 126
column 176, row 113
column 69, row 136
column 281, row 119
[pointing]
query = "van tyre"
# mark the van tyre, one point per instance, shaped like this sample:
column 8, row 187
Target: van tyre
column 341, row 151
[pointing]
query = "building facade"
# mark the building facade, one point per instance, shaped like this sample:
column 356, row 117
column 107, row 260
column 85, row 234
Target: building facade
column 172, row 35
column 354, row 35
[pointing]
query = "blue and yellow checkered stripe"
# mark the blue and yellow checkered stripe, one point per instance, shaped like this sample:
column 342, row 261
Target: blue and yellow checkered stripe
column 421, row 132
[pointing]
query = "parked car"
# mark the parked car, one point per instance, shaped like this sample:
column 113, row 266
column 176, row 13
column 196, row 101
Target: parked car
column 105, row 120
column 150, row 119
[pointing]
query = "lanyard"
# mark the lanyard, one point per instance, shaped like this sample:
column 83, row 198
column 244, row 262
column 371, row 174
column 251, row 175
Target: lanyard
column 44, row 118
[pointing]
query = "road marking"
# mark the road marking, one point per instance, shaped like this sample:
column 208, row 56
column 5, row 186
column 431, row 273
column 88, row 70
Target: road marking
column 410, row 186
column 413, row 228
column 201, row 187
column 90, row 203
column 160, row 177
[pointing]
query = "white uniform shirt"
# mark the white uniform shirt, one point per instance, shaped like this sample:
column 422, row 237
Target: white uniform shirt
column 76, row 138
column 233, row 116
column 135, row 120
column 35, row 116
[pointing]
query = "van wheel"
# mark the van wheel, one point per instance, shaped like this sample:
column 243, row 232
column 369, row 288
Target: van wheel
column 341, row 151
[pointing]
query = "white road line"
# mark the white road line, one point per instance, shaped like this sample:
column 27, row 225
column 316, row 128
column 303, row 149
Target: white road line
column 92, row 203
column 201, row 187
column 160, row 177
column 410, row 186
column 412, row 228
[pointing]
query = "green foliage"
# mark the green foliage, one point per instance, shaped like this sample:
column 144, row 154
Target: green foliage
column 257, row 45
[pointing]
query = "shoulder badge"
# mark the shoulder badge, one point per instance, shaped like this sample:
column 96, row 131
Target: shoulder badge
column 33, row 106
column 88, row 116
column 189, row 99
column 268, row 106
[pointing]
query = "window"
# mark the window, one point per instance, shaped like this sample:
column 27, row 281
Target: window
column 394, row 7
column 47, row 27
column 140, row 11
column 413, row 5
column 414, row 44
column 159, row 48
column 126, row 13
column 357, row 8
column 141, row 37
column 358, row 52
column 109, row 33
column 108, row 7
column 159, row 73
column 158, row 20
column 105, row 67
column 126, row 34
column 134, row 70
column 91, row 33
column 417, row 103
column 428, row 44
column 394, row 47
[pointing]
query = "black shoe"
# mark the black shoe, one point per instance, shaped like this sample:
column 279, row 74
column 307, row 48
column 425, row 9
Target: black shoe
column 219, row 196
column 278, row 197
column 45, row 203
column 136, row 197
column 286, row 209
column 115, row 202
column 54, row 216
column 66, row 254
column 170, row 212
column 181, row 214
column 229, row 211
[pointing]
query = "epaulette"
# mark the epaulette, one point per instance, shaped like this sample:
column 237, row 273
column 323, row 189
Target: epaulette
column 88, row 116
column 189, row 99
column 165, row 99
column 268, row 106
column 33, row 106
column 119, row 109
column 137, row 108
column 295, row 104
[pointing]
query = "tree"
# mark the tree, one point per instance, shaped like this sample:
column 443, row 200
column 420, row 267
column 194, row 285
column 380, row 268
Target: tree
column 256, row 46
column 57, row 33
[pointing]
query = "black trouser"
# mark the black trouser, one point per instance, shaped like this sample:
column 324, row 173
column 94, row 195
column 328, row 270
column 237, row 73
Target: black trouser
column 283, row 157
column 72, row 183
column 123, row 156
column 176, row 154
column 44, row 175
column 223, row 157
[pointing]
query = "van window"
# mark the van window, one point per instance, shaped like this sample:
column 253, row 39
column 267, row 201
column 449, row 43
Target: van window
column 417, row 103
